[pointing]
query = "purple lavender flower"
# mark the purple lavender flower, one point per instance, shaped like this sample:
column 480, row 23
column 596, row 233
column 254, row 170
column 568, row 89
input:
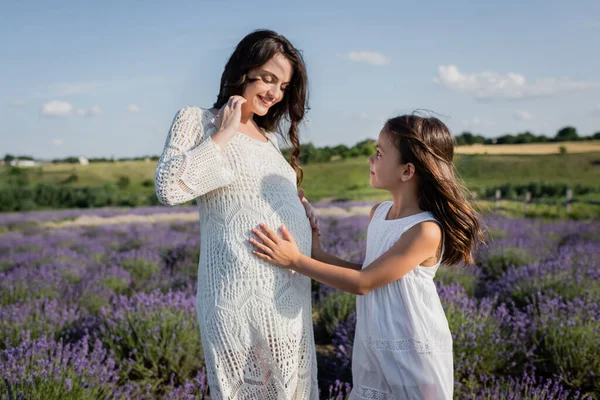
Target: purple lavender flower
column 156, row 336
column 113, row 281
column 525, row 388
column 44, row 367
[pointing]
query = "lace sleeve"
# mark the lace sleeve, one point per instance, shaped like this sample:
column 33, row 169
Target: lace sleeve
column 191, row 163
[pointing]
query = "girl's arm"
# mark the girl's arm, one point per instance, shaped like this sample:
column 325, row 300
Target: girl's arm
column 418, row 244
column 320, row 255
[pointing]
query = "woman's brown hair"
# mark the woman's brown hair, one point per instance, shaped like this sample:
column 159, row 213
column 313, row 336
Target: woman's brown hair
column 427, row 143
column 253, row 51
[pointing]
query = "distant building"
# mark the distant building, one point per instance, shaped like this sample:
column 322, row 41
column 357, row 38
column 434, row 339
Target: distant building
column 24, row 163
column 83, row 160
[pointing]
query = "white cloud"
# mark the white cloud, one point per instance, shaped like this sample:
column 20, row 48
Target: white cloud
column 364, row 116
column 494, row 85
column 57, row 141
column 359, row 115
column 68, row 89
column 95, row 110
column 57, row 109
column 523, row 116
column 476, row 121
column 133, row 108
column 18, row 103
column 369, row 57
column 65, row 89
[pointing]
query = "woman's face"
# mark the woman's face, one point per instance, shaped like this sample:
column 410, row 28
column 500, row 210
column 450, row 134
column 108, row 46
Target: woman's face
column 267, row 84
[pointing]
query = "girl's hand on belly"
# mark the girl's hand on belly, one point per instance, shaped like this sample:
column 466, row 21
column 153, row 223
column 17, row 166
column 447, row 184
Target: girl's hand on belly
column 310, row 212
column 282, row 251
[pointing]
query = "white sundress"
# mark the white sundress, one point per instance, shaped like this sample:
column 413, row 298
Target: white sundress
column 403, row 345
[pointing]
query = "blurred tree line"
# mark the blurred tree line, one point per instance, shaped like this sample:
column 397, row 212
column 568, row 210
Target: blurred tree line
column 309, row 153
column 566, row 134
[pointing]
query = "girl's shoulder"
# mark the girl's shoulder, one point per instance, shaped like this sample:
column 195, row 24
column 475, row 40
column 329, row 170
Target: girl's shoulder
column 374, row 209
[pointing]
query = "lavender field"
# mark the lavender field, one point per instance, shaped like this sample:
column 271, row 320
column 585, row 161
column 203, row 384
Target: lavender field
column 91, row 310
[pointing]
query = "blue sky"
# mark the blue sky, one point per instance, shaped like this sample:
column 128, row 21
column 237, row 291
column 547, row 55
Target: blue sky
column 106, row 78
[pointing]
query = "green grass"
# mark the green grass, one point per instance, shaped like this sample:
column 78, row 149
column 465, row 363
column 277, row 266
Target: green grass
column 480, row 171
column 349, row 179
column 345, row 179
column 579, row 211
column 95, row 174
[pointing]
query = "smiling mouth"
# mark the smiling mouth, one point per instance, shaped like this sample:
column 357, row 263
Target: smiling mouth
column 264, row 102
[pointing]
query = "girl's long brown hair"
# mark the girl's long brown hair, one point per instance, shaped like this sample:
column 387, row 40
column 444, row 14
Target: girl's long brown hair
column 427, row 143
column 253, row 51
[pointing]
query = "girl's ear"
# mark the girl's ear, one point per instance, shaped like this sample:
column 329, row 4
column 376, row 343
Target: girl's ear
column 408, row 171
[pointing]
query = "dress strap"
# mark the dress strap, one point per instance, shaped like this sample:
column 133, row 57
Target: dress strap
column 418, row 218
column 382, row 209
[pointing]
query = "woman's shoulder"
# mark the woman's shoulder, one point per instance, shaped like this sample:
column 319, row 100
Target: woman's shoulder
column 272, row 136
column 196, row 114
column 192, row 111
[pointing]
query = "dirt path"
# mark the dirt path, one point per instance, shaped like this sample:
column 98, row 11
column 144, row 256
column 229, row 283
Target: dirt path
column 91, row 220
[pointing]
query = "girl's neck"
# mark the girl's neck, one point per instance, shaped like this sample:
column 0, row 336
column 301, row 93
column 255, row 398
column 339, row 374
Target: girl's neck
column 405, row 204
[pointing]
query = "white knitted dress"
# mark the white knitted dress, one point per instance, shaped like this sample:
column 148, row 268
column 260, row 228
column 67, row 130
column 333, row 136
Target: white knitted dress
column 255, row 318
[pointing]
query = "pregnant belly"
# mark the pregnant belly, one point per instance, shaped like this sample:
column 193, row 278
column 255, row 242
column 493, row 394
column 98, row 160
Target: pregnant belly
column 274, row 211
column 226, row 259
column 292, row 215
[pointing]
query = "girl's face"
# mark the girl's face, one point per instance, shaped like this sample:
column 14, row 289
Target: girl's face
column 387, row 171
column 267, row 85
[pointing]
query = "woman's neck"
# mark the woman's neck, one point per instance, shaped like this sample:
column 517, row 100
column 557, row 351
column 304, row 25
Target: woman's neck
column 247, row 116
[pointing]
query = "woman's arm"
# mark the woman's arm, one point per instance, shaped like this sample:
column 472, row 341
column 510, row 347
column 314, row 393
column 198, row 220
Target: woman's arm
column 192, row 163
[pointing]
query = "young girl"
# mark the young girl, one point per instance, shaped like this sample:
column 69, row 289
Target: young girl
column 403, row 346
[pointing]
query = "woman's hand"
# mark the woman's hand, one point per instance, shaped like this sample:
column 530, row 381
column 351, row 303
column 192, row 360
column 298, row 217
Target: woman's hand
column 310, row 212
column 274, row 249
column 229, row 116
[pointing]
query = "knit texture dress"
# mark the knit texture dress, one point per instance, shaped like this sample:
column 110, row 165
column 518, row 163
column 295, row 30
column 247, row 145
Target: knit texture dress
column 255, row 318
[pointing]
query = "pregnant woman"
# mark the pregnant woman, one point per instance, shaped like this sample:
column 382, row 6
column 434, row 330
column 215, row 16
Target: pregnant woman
column 255, row 319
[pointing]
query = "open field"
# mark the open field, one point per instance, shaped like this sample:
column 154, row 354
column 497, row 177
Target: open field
column 475, row 170
column 132, row 183
column 530, row 149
